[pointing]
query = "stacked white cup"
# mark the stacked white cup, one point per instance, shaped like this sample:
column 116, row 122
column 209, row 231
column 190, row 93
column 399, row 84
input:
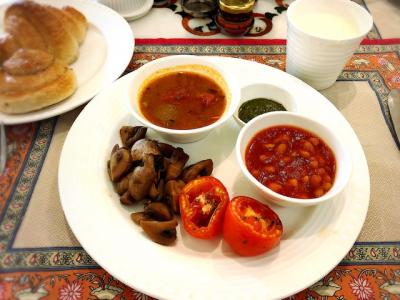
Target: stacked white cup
column 322, row 36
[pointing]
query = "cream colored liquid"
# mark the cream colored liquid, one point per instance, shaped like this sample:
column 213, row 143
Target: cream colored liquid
column 326, row 25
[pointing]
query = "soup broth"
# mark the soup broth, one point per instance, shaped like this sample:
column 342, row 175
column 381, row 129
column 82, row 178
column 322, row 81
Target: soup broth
column 182, row 100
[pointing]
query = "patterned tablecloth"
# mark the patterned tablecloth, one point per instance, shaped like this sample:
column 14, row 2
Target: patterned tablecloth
column 41, row 259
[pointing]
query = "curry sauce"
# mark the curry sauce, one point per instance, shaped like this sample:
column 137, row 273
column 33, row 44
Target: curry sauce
column 182, row 100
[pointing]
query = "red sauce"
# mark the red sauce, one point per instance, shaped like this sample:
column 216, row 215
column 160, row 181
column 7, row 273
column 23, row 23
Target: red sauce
column 291, row 161
column 182, row 100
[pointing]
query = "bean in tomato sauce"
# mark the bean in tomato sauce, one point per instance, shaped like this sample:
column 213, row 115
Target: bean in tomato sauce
column 291, row 161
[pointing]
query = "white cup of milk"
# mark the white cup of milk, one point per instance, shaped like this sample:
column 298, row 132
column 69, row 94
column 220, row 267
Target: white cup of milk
column 322, row 35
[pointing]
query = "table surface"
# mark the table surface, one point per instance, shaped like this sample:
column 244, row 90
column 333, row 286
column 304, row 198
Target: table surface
column 41, row 259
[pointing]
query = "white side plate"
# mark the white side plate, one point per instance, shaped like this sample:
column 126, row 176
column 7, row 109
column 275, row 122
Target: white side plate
column 104, row 55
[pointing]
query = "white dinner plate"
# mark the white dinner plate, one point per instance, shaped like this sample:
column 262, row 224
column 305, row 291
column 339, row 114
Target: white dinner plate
column 103, row 56
column 315, row 239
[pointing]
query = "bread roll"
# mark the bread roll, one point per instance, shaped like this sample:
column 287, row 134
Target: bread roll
column 32, row 79
column 79, row 20
column 56, row 31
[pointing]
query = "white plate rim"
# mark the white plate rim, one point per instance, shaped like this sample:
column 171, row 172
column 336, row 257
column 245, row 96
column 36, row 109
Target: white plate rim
column 343, row 240
column 120, row 47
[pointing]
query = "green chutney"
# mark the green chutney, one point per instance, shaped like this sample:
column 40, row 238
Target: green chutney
column 255, row 107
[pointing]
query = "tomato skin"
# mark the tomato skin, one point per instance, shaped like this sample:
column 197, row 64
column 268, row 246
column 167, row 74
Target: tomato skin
column 242, row 236
column 206, row 185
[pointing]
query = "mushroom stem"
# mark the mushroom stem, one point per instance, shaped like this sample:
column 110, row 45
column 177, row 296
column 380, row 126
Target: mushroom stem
column 137, row 217
column 123, row 185
column 172, row 190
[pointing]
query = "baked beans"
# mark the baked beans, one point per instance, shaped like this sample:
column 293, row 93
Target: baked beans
column 291, row 161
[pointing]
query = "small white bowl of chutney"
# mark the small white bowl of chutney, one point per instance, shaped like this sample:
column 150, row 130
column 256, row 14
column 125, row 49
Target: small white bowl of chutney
column 260, row 98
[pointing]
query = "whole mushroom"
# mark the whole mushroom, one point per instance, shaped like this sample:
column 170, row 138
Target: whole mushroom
column 176, row 163
column 201, row 168
column 120, row 163
column 143, row 148
column 142, row 178
column 130, row 135
column 162, row 232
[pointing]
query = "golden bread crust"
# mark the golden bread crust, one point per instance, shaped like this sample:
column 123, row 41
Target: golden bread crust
column 54, row 28
column 8, row 45
column 46, row 82
column 79, row 20
column 24, row 33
